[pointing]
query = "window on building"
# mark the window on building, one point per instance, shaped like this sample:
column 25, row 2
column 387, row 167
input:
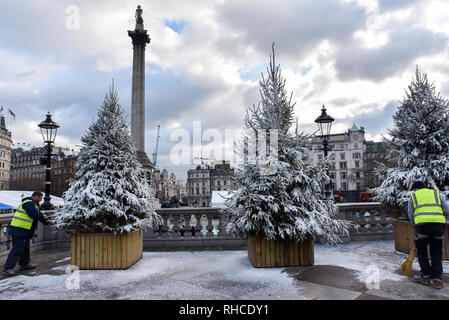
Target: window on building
column 332, row 175
column 342, row 156
column 357, row 164
column 342, row 147
column 344, row 186
column 343, row 165
column 357, row 175
column 356, row 155
column 224, row 182
column 320, row 157
column 332, row 166
column 343, row 175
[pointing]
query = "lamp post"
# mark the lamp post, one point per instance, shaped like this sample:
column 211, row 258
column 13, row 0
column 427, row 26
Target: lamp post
column 324, row 122
column 49, row 129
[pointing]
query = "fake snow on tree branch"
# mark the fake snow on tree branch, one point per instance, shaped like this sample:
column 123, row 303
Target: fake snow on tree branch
column 288, row 202
column 419, row 148
column 109, row 193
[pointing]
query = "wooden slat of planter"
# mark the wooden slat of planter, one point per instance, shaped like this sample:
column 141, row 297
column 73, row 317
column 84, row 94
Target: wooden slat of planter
column 268, row 252
column 297, row 253
column 304, row 253
column 72, row 251
column 261, row 252
column 83, row 252
column 123, row 259
column 104, row 251
column 273, row 253
column 258, row 253
column 114, row 254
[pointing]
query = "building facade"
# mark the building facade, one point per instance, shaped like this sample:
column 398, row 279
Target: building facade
column 5, row 155
column 204, row 179
column 28, row 172
column 376, row 152
column 167, row 186
column 346, row 151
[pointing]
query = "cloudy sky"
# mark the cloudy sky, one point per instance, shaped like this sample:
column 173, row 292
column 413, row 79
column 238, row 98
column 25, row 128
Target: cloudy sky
column 205, row 59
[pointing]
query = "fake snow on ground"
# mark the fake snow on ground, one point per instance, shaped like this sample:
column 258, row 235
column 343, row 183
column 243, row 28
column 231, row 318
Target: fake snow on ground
column 222, row 275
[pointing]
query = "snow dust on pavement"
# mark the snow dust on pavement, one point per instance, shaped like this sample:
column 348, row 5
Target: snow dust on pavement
column 222, row 275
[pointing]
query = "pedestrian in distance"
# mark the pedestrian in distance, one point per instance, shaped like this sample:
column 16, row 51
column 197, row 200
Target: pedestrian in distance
column 21, row 229
column 427, row 210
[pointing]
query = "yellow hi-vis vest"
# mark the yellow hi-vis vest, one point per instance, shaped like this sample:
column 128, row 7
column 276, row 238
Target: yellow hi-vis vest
column 21, row 219
column 427, row 206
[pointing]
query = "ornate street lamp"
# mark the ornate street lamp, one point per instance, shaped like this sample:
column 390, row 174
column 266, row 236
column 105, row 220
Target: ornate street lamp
column 49, row 129
column 324, row 122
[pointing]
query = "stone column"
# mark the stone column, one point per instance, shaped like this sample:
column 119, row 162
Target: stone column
column 140, row 39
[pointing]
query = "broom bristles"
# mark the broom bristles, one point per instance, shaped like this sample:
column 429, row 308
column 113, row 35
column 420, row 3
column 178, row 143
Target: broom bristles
column 407, row 265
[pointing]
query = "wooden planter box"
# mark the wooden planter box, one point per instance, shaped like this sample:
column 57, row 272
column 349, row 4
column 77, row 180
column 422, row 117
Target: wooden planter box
column 404, row 234
column 265, row 253
column 106, row 251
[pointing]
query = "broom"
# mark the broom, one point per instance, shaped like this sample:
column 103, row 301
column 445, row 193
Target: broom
column 407, row 265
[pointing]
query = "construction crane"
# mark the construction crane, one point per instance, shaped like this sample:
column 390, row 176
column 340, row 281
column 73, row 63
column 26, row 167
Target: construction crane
column 157, row 145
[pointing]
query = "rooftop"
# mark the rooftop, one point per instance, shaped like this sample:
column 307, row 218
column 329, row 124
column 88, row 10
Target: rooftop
column 347, row 272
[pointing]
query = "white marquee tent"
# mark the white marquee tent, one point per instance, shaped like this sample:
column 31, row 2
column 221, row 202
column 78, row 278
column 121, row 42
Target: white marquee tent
column 14, row 198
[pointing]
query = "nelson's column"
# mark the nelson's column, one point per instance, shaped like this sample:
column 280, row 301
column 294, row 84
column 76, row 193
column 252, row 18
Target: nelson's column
column 140, row 39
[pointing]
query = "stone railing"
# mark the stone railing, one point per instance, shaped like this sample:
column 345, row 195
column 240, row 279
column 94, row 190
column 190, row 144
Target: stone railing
column 205, row 229
column 191, row 228
column 5, row 240
column 370, row 220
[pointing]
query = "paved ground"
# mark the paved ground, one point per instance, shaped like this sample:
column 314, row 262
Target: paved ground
column 363, row 270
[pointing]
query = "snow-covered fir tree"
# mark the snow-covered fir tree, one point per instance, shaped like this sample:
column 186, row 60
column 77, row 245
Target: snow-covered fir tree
column 419, row 147
column 288, row 202
column 109, row 193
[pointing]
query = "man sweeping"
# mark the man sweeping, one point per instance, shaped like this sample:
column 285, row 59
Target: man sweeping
column 426, row 211
column 21, row 230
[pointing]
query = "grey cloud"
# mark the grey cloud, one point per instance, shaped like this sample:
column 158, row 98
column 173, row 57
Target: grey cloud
column 405, row 45
column 376, row 121
column 295, row 26
column 387, row 5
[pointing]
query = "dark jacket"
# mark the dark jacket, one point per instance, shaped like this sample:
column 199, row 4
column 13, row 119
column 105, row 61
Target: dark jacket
column 34, row 214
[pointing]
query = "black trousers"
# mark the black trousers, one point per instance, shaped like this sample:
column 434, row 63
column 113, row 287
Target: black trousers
column 430, row 234
column 20, row 252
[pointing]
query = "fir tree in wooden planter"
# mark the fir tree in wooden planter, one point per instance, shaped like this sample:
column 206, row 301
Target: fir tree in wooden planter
column 109, row 201
column 280, row 206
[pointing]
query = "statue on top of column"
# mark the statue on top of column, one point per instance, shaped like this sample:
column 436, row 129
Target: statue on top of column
column 139, row 19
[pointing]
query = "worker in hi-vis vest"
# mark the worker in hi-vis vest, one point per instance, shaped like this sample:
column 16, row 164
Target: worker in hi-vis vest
column 21, row 230
column 426, row 209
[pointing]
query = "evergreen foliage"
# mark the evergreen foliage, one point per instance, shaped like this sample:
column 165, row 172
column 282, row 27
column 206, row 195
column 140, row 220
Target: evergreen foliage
column 109, row 193
column 284, row 198
column 419, row 148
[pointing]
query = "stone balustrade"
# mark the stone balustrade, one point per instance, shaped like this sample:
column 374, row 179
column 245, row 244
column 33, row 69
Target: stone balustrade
column 5, row 241
column 370, row 220
column 191, row 228
column 205, row 229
